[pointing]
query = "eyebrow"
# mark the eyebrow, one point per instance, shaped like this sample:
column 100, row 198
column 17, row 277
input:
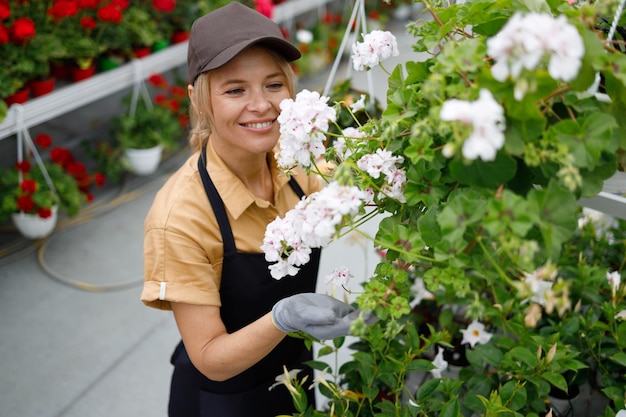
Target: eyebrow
column 238, row 81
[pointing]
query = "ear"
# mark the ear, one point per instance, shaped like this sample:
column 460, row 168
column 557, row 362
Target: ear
column 190, row 94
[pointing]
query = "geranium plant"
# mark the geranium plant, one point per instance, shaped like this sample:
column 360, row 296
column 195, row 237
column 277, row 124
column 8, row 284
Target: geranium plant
column 65, row 183
column 157, row 119
column 474, row 171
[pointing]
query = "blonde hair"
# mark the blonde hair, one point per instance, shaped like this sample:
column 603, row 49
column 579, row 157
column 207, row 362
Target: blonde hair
column 201, row 111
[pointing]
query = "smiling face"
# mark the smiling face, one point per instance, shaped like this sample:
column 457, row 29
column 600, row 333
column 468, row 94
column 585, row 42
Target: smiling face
column 245, row 96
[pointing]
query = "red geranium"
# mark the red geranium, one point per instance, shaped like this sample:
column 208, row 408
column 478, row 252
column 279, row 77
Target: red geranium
column 23, row 30
column 88, row 23
column 43, row 140
column 111, row 13
column 166, row 6
column 44, row 212
column 28, row 186
column 63, row 8
column 23, row 166
column 25, row 203
column 5, row 11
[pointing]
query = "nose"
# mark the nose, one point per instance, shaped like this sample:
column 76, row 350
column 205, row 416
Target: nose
column 259, row 101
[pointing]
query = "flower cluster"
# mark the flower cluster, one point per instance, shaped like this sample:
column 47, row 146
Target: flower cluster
column 311, row 224
column 303, row 124
column 377, row 46
column 65, row 183
column 526, row 39
column 486, row 117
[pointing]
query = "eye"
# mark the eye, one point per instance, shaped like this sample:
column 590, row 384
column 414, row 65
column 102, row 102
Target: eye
column 234, row 91
column 275, row 86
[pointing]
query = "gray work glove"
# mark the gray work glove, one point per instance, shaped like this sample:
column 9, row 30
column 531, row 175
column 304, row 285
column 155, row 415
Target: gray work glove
column 319, row 315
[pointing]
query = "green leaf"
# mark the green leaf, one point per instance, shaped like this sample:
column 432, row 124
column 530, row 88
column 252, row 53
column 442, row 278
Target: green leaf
column 619, row 358
column 427, row 389
column 484, row 174
column 420, row 365
column 556, row 380
column 557, row 215
column 522, row 354
column 451, row 409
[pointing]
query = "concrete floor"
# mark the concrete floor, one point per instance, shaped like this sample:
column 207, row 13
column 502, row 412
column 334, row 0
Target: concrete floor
column 75, row 339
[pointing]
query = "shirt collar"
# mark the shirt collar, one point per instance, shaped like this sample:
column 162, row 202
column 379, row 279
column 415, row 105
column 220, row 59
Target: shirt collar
column 236, row 197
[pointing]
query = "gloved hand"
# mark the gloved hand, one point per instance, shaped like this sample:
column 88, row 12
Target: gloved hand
column 319, row 315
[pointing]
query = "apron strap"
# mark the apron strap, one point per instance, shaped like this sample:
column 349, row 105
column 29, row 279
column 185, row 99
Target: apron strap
column 218, row 205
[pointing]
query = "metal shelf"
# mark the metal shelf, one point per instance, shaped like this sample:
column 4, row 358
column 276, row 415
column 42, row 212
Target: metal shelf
column 611, row 204
column 76, row 95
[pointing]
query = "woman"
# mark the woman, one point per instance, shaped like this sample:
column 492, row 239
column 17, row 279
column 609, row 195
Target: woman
column 204, row 231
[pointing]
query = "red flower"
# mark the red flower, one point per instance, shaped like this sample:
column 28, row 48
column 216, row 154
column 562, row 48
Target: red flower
column 110, row 13
column 43, row 140
column 4, row 35
column 23, row 166
column 88, row 23
column 88, row 4
column 76, row 169
column 158, row 81
column 183, row 120
column 28, row 186
column 179, row 92
column 25, row 203
column 121, row 4
column 89, row 197
column 23, row 30
column 166, row 6
column 61, row 156
column 161, row 99
column 63, row 8
column 5, row 11
column 265, row 7
column 99, row 179
column 174, row 106
column 44, row 212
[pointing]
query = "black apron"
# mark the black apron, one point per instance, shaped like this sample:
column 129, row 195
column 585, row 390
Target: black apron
column 247, row 292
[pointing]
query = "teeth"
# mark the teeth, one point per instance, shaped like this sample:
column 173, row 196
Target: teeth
column 259, row 125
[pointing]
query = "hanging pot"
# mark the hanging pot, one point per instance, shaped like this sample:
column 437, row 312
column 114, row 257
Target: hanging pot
column 79, row 74
column 31, row 226
column 180, row 37
column 42, row 87
column 144, row 161
column 19, row 97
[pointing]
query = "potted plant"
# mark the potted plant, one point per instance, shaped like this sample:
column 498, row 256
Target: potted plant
column 151, row 126
column 476, row 165
column 33, row 194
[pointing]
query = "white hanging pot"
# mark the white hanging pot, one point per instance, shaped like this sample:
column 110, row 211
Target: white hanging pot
column 616, row 184
column 31, row 226
column 144, row 161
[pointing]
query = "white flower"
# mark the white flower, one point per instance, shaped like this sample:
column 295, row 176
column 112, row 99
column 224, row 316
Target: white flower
column 359, row 104
column 439, row 363
column 310, row 224
column 475, row 333
column 621, row 413
column 383, row 162
column 487, row 119
column 339, row 277
column 286, row 379
column 525, row 40
column 538, row 288
column 614, row 279
column 377, row 46
column 419, row 291
column 304, row 36
column 621, row 315
column 303, row 124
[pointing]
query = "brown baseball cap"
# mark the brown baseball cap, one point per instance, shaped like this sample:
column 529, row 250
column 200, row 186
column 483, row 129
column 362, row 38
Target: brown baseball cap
column 218, row 36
